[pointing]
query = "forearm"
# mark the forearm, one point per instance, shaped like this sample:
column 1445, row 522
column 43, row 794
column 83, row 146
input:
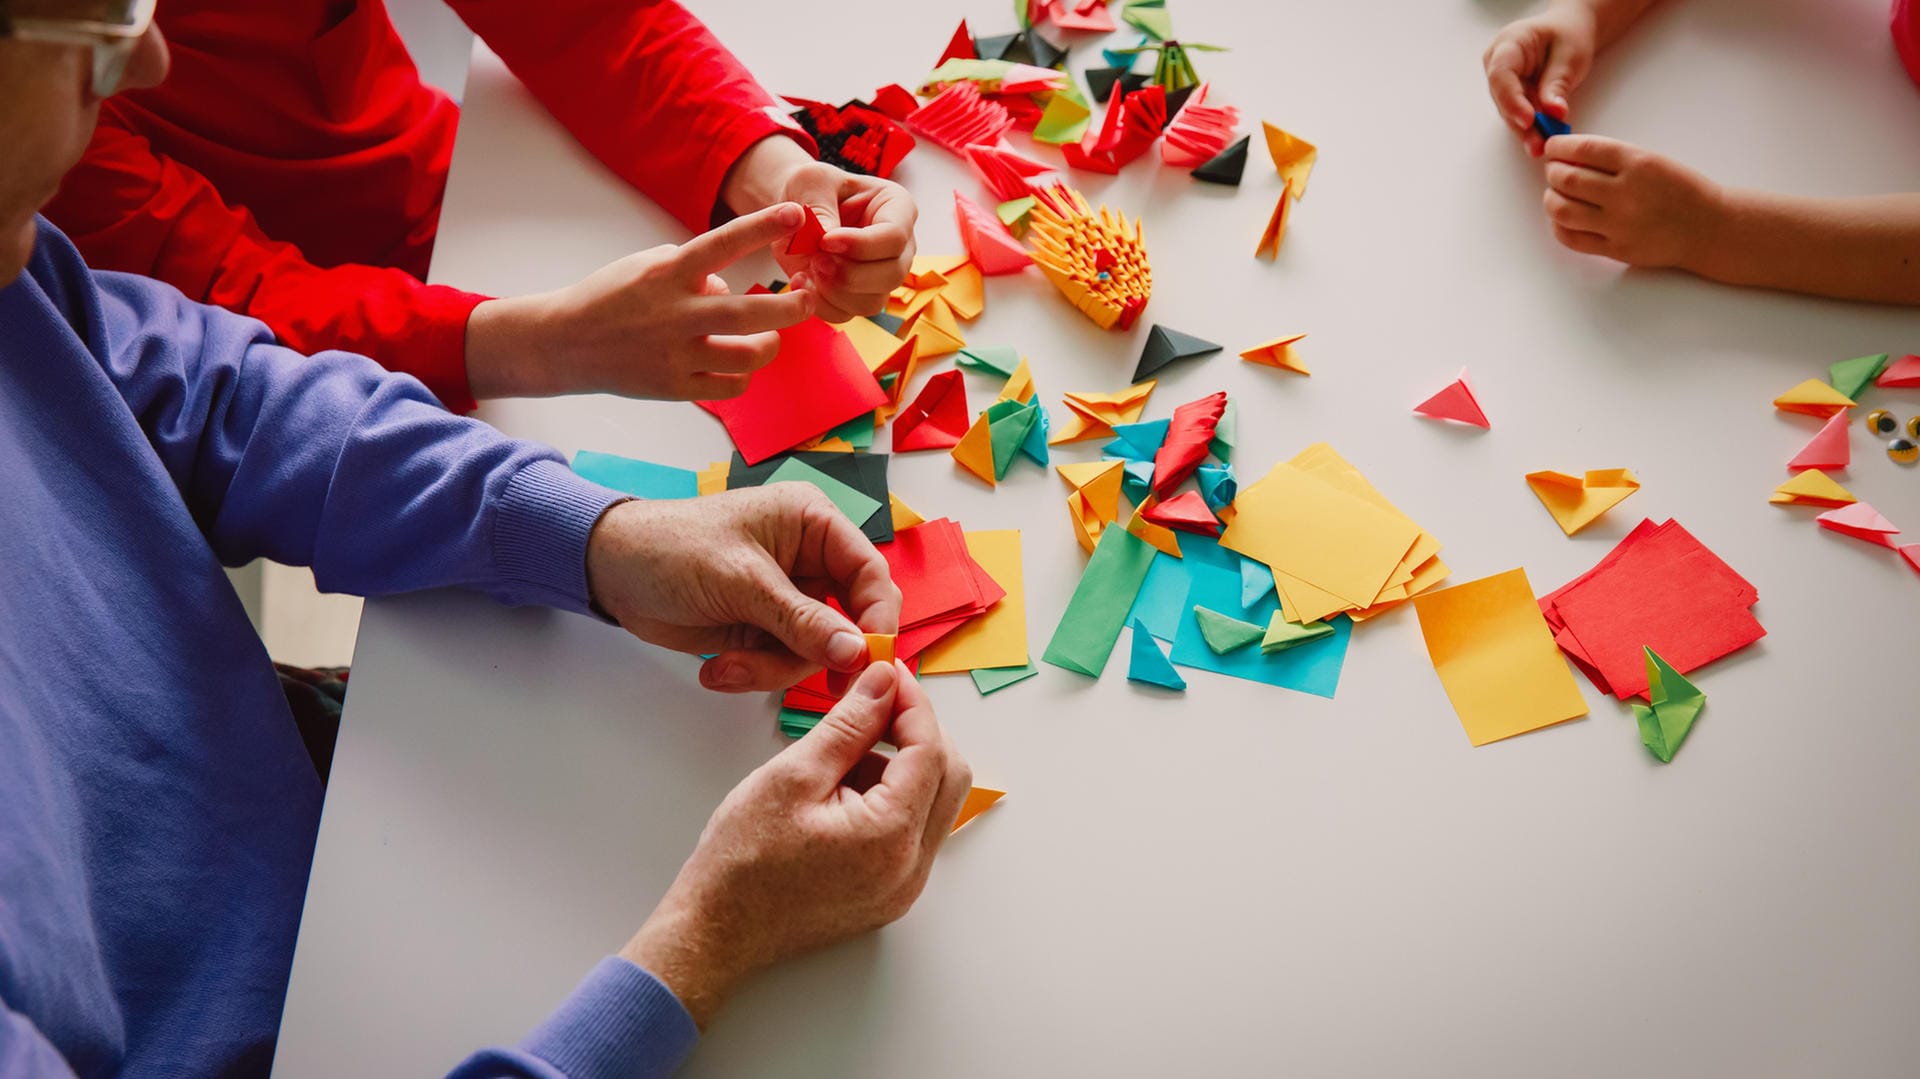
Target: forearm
column 1865, row 248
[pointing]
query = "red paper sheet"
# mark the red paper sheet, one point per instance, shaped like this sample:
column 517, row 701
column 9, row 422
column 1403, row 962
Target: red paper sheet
column 815, row 384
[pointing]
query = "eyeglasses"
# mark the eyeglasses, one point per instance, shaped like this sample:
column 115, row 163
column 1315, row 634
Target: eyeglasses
column 113, row 30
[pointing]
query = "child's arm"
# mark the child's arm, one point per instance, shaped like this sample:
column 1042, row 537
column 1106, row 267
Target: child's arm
column 1534, row 63
column 1606, row 197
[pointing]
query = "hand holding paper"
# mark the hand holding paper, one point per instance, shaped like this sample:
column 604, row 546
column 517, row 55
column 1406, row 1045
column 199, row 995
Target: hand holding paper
column 659, row 323
column 868, row 244
column 826, row 841
column 740, row 576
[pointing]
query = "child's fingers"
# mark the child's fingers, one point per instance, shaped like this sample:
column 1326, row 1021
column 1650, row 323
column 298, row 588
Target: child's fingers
column 1571, row 213
column 1593, row 151
column 1579, row 182
column 1564, row 70
column 1587, row 243
column 1507, row 86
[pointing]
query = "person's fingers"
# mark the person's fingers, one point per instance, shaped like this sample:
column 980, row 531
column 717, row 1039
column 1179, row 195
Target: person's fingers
column 1563, row 72
column 848, row 304
column 886, row 233
column 722, row 247
column 820, row 188
column 741, row 355
column 1587, row 243
column 1594, row 151
column 830, row 311
column 875, row 278
column 834, row 548
column 715, row 285
column 1535, row 143
column 755, row 313
column 1580, row 183
column 1571, row 213
column 846, row 734
column 709, row 386
column 912, row 707
column 806, row 626
column 755, row 670
column 866, row 775
column 1506, row 82
column 913, row 780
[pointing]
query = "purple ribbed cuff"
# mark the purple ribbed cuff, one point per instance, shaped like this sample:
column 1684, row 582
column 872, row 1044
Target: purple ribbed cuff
column 540, row 530
column 619, row 1022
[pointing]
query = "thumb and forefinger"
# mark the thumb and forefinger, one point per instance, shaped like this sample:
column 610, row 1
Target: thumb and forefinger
column 846, row 734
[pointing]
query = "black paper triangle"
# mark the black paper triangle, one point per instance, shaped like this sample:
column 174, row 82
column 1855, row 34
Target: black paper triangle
column 1165, row 346
column 1227, row 166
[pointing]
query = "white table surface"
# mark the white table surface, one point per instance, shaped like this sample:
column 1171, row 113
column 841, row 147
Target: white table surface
column 1242, row 880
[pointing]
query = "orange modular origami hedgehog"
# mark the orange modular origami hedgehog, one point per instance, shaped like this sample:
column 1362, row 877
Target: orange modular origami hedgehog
column 1098, row 263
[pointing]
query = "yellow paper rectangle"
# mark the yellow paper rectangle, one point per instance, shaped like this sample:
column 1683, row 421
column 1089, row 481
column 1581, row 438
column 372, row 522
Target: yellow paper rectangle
column 1305, row 527
column 1496, row 657
column 999, row 637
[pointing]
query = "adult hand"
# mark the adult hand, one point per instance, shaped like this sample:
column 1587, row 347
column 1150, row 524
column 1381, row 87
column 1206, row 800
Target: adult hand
column 1605, row 197
column 868, row 246
column 824, row 842
column 660, row 323
column 1535, row 63
column 740, row 576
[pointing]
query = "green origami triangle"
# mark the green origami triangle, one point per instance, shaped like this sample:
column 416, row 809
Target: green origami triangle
column 1851, row 377
column 1225, row 432
column 1009, row 429
column 1002, row 360
column 990, row 679
column 1674, row 704
column 1282, row 634
column 1224, row 634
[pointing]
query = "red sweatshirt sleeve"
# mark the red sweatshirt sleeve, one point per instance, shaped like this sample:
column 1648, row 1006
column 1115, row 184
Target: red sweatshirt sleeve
column 130, row 209
column 644, row 87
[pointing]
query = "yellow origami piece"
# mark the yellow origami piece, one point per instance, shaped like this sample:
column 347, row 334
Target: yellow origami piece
column 1019, row 386
column 880, row 647
column 1099, row 263
column 1293, row 158
column 1278, row 352
column 1269, row 248
column 1812, row 488
column 1093, row 415
column 1094, row 502
column 1813, row 398
column 1577, row 502
column 938, row 293
column 903, row 514
column 1160, row 536
column 979, row 800
column 975, row 451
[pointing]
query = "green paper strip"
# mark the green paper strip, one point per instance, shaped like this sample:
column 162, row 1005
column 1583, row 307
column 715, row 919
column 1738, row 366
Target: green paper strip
column 993, row 679
column 852, row 502
column 1090, row 626
column 795, row 723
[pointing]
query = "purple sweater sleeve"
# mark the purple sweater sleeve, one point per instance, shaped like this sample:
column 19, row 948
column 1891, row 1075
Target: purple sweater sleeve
column 331, row 462
column 620, row 1023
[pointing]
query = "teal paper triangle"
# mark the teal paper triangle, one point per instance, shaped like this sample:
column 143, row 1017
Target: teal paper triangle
column 1148, row 664
column 1256, row 580
column 1224, row 634
column 1035, row 447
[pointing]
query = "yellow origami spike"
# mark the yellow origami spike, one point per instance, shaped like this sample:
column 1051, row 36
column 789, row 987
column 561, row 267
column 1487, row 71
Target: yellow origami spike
column 1293, row 158
column 1159, row 536
column 1812, row 488
column 1093, row 415
column 903, row 514
column 1813, row 398
column 1094, row 502
column 975, row 451
column 1019, row 386
column 1278, row 352
column 1577, row 502
column 1099, row 263
column 1276, row 231
column 978, row 801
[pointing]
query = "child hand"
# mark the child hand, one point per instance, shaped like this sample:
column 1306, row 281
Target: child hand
column 659, row 323
column 868, row 245
column 1533, row 64
column 1605, row 197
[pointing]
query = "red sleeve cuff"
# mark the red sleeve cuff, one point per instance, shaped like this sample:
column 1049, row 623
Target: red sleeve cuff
column 735, row 140
column 436, row 351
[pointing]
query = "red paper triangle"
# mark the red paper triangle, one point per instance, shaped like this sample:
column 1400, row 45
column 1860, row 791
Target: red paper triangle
column 1860, row 521
column 1904, row 371
column 1186, row 511
column 960, row 47
column 1456, row 403
column 936, row 419
column 1828, row 450
column 807, row 240
column 1186, row 442
column 1911, row 552
column 988, row 243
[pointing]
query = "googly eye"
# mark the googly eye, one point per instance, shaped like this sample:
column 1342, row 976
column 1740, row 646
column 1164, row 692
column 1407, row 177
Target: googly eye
column 1904, row 450
column 1913, row 427
column 1882, row 423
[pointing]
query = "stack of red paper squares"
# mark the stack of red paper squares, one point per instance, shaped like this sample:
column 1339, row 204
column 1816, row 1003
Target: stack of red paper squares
column 1661, row 589
column 941, row 588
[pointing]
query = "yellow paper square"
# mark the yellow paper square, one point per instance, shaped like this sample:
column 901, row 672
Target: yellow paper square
column 1496, row 658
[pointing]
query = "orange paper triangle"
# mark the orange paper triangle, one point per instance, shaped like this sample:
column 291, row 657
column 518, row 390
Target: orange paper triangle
column 979, row 800
column 975, row 450
column 1278, row 352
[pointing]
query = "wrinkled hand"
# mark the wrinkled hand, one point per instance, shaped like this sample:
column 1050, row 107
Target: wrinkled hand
column 869, row 242
column 659, row 323
column 740, row 576
column 1605, row 197
column 1535, row 63
column 824, row 842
